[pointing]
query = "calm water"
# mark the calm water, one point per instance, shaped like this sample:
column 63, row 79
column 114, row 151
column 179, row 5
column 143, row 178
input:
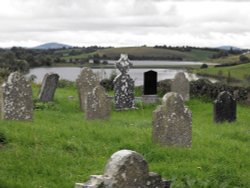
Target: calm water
column 71, row 73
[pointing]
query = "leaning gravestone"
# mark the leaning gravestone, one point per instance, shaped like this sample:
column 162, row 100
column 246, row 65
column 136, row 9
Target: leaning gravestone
column 98, row 104
column 224, row 108
column 125, row 169
column 180, row 84
column 124, row 85
column 16, row 98
column 85, row 83
column 48, row 87
column 172, row 122
column 150, row 87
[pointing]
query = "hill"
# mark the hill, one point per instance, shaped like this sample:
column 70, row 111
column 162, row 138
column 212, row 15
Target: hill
column 229, row 48
column 52, row 45
column 148, row 53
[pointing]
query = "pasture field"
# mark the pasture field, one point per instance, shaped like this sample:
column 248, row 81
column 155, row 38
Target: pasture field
column 59, row 147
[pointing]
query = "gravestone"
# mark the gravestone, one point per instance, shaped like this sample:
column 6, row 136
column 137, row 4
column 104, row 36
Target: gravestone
column 98, row 104
column 180, row 84
column 224, row 108
column 124, row 85
column 16, row 98
column 150, row 87
column 85, row 83
column 125, row 169
column 48, row 87
column 172, row 122
column 150, row 83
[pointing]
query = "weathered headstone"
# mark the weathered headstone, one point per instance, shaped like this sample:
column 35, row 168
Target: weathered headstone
column 98, row 104
column 125, row 169
column 150, row 87
column 85, row 83
column 172, row 122
column 180, row 84
column 224, row 108
column 48, row 87
column 124, row 85
column 16, row 98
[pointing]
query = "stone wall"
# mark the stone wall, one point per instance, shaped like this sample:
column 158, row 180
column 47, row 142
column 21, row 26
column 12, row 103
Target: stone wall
column 205, row 88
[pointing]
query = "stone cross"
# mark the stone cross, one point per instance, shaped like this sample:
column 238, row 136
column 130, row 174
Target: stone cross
column 125, row 169
column 124, row 85
column 98, row 104
column 48, row 87
column 224, row 108
column 180, row 84
column 16, row 98
column 85, row 83
column 172, row 122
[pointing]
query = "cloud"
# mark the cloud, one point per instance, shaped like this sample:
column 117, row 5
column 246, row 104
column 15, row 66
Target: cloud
column 130, row 22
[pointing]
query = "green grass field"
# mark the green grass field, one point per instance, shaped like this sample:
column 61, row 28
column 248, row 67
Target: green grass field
column 239, row 72
column 228, row 59
column 149, row 52
column 59, row 147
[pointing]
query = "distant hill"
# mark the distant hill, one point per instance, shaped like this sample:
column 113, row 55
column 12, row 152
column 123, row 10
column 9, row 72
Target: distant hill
column 229, row 48
column 150, row 53
column 52, row 45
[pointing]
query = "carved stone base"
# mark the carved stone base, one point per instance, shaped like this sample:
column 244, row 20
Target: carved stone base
column 149, row 99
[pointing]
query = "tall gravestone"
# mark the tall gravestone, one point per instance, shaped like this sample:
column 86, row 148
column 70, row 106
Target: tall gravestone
column 16, row 98
column 98, row 104
column 85, row 83
column 150, row 87
column 48, row 88
column 124, row 85
column 172, row 122
column 180, row 84
column 224, row 108
column 125, row 169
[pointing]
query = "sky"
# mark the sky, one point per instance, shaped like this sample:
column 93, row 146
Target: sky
column 200, row 23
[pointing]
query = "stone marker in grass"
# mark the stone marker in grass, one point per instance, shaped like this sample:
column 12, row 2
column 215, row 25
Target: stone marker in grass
column 125, row 169
column 98, row 104
column 224, row 108
column 150, row 87
column 16, row 98
column 85, row 83
column 124, row 85
column 48, row 87
column 172, row 122
column 180, row 84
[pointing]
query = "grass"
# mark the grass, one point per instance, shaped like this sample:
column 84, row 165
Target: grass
column 228, row 59
column 239, row 72
column 59, row 147
column 149, row 52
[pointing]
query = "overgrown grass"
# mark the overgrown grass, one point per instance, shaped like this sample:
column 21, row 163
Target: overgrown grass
column 59, row 147
column 240, row 72
column 228, row 59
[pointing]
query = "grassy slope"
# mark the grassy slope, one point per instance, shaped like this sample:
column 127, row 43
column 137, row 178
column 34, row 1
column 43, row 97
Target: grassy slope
column 238, row 71
column 228, row 59
column 60, row 148
column 194, row 55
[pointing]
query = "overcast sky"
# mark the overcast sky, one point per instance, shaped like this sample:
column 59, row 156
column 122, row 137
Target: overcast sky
column 125, row 22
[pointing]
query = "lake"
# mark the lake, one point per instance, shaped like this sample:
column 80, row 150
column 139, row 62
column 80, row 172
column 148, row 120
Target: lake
column 71, row 73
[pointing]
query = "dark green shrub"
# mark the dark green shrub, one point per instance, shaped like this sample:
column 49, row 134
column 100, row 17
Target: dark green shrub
column 65, row 84
column 3, row 139
column 244, row 59
column 204, row 66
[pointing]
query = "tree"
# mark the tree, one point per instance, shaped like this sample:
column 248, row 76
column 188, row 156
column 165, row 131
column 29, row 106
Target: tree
column 244, row 59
